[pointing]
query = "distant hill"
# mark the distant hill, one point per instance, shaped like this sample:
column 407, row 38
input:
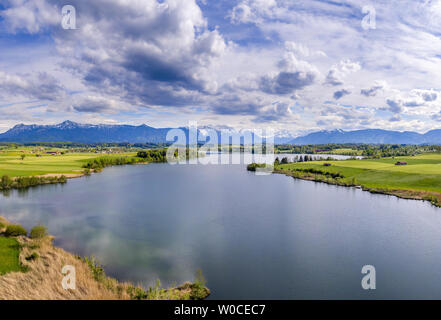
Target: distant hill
column 372, row 136
column 86, row 133
column 69, row 131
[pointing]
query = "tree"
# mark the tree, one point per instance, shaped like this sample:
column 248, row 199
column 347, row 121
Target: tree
column 15, row 230
column 6, row 182
column 22, row 156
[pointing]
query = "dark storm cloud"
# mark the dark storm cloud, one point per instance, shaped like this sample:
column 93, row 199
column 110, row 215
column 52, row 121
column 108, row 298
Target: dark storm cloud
column 154, row 53
column 137, row 50
column 93, row 105
column 341, row 93
column 41, row 86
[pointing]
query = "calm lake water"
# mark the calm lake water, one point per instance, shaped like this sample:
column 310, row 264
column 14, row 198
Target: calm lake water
column 254, row 237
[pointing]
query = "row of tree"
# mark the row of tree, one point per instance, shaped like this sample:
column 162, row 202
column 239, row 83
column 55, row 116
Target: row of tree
column 153, row 155
column 367, row 150
column 301, row 158
column 7, row 182
column 99, row 163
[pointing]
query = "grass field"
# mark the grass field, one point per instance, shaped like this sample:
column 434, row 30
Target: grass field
column 12, row 165
column 9, row 253
column 423, row 172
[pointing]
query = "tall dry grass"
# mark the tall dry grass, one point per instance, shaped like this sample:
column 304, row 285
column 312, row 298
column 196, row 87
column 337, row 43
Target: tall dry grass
column 43, row 280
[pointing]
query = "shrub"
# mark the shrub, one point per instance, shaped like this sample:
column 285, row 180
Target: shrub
column 26, row 182
column 199, row 291
column 354, row 181
column 38, row 232
column 100, row 163
column 433, row 200
column 137, row 293
column 15, row 230
column 153, row 155
column 253, row 166
column 6, row 182
column 96, row 268
column 33, row 256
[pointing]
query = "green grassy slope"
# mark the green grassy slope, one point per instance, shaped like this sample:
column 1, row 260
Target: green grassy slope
column 9, row 251
column 11, row 163
column 423, row 172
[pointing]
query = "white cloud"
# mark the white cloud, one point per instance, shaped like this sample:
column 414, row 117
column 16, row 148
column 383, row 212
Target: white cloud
column 338, row 72
column 247, row 11
column 164, row 57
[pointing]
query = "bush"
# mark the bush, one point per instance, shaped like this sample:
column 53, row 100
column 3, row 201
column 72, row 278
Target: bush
column 137, row 293
column 6, row 182
column 199, row 291
column 15, row 230
column 38, row 232
column 26, row 182
column 96, row 268
column 253, row 166
column 153, row 155
column 2, row 225
column 33, row 256
column 98, row 164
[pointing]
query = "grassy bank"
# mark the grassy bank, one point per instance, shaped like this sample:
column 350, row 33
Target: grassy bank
column 419, row 179
column 41, row 164
column 9, row 253
column 27, row 167
column 32, row 270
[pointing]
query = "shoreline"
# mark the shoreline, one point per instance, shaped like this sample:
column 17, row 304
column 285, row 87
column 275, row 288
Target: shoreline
column 64, row 177
column 433, row 197
column 41, row 277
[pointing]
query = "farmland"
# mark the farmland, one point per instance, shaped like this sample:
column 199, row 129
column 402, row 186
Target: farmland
column 26, row 161
column 420, row 178
column 9, row 251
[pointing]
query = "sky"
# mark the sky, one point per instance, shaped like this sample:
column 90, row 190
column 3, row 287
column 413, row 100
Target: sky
column 294, row 66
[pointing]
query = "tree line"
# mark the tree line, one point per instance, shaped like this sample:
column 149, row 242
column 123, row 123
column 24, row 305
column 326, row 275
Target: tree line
column 7, row 182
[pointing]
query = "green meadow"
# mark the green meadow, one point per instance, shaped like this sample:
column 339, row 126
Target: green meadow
column 423, row 171
column 9, row 251
column 12, row 164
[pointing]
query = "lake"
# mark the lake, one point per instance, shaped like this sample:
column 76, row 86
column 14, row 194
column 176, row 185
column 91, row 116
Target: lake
column 254, row 237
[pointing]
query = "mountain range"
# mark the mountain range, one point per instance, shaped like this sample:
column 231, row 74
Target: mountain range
column 69, row 131
column 369, row 136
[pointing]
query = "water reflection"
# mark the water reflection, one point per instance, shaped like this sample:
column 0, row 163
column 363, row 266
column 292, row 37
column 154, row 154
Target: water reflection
column 253, row 236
